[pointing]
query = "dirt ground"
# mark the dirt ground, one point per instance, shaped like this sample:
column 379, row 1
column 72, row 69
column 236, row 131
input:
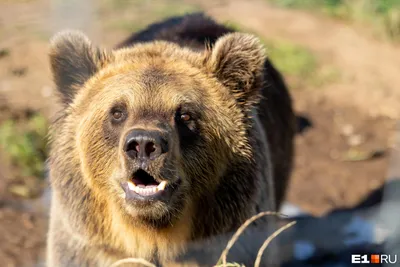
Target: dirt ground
column 352, row 117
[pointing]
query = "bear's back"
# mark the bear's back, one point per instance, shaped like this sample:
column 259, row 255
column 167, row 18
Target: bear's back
column 191, row 31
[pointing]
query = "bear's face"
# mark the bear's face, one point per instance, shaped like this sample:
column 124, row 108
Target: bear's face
column 157, row 126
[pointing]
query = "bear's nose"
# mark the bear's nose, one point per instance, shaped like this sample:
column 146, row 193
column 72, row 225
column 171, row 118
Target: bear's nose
column 143, row 144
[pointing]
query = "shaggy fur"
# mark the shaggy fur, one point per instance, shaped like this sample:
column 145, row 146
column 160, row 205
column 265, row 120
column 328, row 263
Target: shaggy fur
column 232, row 159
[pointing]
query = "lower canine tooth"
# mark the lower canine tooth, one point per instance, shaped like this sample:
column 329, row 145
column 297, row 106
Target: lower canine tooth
column 162, row 185
column 131, row 185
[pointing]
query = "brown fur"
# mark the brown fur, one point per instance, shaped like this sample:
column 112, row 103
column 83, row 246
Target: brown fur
column 225, row 160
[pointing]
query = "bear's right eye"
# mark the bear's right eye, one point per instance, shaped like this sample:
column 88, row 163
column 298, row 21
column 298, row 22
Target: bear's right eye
column 117, row 115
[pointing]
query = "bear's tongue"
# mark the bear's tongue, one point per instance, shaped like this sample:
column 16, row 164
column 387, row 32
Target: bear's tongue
column 144, row 184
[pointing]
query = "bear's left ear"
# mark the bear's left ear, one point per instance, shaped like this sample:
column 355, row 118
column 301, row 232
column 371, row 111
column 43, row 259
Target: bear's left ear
column 73, row 61
column 237, row 60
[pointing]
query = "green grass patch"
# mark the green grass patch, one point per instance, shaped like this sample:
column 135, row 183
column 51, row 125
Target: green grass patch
column 24, row 143
column 383, row 16
column 297, row 63
column 290, row 58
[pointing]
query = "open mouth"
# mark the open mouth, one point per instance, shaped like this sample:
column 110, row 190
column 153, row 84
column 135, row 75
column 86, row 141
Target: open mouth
column 144, row 184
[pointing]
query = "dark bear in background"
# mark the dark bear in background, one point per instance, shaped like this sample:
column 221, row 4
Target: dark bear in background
column 180, row 134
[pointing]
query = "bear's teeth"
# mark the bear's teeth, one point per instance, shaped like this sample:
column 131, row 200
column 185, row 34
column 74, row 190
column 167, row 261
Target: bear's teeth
column 146, row 190
column 161, row 186
column 131, row 186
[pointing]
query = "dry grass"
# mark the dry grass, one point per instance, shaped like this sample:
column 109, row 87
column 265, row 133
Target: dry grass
column 239, row 232
column 222, row 262
column 133, row 260
column 268, row 240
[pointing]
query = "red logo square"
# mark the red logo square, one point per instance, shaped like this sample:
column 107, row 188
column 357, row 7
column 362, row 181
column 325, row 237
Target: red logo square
column 375, row 258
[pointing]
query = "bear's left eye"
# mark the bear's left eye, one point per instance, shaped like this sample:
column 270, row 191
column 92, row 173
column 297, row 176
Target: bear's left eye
column 185, row 117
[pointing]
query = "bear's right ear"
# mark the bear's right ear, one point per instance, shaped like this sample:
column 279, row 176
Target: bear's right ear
column 73, row 61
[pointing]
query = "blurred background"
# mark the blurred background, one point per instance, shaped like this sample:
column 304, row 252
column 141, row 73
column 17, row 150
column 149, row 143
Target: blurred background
column 341, row 60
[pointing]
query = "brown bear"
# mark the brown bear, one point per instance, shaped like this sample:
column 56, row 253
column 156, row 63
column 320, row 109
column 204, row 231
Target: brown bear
column 181, row 133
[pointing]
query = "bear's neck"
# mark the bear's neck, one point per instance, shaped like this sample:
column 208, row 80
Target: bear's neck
column 246, row 189
column 228, row 206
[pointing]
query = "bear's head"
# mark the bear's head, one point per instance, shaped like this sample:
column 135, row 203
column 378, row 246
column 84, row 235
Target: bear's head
column 155, row 126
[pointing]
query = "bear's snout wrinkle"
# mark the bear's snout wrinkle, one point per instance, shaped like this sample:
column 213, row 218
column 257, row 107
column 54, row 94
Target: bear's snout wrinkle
column 143, row 145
